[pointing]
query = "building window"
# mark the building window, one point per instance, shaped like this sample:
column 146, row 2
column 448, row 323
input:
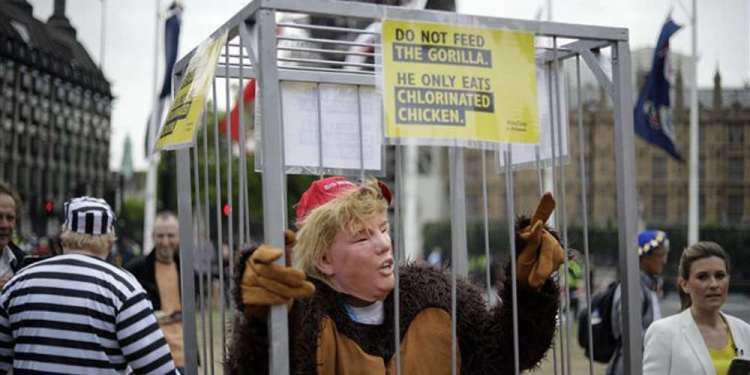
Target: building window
column 659, row 208
column 735, row 208
column 736, row 135
column 736, row 169
column 60, row 92
column 659, row 169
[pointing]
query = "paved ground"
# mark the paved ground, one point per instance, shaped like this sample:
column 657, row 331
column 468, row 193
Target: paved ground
column 737, row 305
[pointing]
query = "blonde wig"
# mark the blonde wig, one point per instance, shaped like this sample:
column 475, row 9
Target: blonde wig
column 348, row 211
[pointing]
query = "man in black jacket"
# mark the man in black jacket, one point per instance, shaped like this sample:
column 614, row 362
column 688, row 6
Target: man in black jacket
column 11, row 257
column 159, row 273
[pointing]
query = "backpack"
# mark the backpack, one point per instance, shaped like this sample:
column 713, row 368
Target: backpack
column 604, row 342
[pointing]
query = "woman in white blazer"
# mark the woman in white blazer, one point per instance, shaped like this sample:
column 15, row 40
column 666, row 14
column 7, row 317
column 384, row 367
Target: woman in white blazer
column 701, row 340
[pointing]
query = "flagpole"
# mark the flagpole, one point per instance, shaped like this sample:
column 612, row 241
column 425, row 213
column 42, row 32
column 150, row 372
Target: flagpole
column 547, row 172
column 549, row 10
column 693, row 176
column 102, row 33
column 153, row 158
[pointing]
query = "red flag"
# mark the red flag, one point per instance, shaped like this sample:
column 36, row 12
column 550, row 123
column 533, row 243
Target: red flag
column 248, row 97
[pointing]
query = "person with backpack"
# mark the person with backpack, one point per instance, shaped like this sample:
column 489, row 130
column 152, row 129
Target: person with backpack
column 653, row 248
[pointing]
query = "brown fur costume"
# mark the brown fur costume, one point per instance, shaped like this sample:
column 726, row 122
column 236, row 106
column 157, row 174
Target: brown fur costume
column 485, row 336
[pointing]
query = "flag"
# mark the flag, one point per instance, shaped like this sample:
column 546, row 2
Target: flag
column 171, row 43
column 652, row 115
column 248, row 99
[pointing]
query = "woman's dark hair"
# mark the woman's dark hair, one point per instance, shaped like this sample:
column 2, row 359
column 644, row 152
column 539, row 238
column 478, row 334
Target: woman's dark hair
column 697, row 251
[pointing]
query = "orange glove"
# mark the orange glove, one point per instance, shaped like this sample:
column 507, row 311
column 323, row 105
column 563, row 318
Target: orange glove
column 265, row 283
column 526, row 260
column 551, row 256
column 541, row 254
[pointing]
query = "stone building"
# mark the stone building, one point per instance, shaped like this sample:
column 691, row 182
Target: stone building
column 55, row 106
column 662, row 182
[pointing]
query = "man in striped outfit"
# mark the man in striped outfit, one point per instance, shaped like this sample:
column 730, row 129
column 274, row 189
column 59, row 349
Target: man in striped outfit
column 76, row 313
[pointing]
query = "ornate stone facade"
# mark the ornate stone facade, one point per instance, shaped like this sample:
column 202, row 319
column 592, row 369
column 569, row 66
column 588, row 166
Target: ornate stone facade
column 662, row 182
column 55, row 110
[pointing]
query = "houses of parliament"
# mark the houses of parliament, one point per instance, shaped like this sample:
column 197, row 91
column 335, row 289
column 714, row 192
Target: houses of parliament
column 661, row 181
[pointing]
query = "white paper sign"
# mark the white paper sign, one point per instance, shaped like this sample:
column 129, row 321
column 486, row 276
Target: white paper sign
column 331, row 117
column 300, row 117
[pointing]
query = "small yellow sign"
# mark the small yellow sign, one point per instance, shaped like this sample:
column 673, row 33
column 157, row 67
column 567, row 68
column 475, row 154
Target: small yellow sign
column 187, row 108
column 447, row 84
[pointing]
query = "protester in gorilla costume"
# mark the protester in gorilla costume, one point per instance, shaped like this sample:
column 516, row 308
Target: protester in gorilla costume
column 340, row 294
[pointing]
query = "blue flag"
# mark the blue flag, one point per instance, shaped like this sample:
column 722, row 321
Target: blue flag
column 171, row 44
column 652, row 115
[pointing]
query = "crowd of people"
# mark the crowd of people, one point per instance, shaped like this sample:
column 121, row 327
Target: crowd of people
column 699, row 340
column 75, row 312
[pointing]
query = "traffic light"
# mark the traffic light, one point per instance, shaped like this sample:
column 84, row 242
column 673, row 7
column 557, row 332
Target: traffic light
column 49, row 208
column 227, row 209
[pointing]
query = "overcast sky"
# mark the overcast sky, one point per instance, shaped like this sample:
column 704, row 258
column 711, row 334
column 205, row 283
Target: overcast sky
column 723, row 40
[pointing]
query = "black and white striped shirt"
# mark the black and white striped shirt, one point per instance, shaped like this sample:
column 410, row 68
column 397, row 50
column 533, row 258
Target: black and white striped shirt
column 77, row 314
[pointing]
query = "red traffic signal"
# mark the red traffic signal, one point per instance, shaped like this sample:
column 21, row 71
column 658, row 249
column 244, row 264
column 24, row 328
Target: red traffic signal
column 49, row 208
column 227, row 209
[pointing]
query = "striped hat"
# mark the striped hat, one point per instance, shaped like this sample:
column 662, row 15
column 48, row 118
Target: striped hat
column 87, row 215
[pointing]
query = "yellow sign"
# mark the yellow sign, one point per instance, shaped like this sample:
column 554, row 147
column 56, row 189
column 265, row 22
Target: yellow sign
column 185, row 112
column 449, row 84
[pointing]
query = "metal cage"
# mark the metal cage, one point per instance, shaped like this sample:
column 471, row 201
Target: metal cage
column 343, row 51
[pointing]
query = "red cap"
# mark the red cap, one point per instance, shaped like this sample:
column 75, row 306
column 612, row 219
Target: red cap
column 324, row 190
